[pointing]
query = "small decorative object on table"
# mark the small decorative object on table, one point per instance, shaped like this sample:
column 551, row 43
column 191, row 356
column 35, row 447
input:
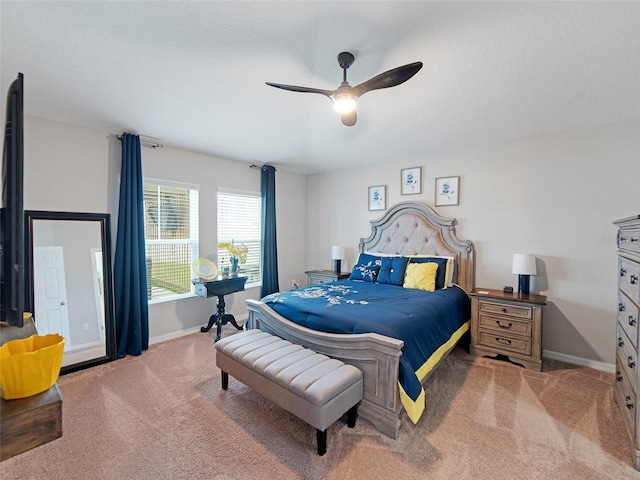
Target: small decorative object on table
column 237, row 255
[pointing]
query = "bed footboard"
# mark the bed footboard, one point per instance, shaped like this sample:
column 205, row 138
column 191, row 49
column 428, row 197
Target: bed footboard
column 376, row 355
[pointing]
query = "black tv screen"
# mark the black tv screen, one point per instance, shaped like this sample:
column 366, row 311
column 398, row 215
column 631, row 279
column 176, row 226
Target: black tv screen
column 12, row 288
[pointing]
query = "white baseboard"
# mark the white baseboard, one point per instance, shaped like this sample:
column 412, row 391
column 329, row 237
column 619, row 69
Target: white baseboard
column 188, row 331
column 583, row 362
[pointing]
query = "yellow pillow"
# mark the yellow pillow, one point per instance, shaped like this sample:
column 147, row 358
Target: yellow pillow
column 421, row 276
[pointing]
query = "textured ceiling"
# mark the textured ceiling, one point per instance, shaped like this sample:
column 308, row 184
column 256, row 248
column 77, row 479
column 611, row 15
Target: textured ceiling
column 192, row 73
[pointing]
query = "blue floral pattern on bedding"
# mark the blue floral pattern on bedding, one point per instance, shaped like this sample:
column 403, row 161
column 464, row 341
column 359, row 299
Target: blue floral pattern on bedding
column 423, row 320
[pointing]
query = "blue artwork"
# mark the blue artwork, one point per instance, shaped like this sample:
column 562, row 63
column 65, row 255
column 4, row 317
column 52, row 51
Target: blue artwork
column 411, row 181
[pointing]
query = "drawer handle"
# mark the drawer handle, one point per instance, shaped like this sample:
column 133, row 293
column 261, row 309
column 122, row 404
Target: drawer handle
column 630, row 362
column 504, row 310
column 620, row 342
column 634, row 239
column 506, row 341
column 618, row 376
column 628, row 403
column 632, row 321
column 623, row 272
column 633, row 279
column 508, row 326
column 621, row 307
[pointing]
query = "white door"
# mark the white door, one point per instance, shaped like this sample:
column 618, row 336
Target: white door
column 50, row 292
column 98, row 293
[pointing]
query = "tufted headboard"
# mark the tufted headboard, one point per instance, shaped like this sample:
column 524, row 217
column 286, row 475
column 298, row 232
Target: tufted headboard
column 411, row 228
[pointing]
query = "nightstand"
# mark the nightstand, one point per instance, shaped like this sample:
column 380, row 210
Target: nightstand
column 508, row 324
column 318, row 277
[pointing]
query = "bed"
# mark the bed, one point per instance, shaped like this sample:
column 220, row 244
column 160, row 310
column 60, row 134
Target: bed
column 407, row 229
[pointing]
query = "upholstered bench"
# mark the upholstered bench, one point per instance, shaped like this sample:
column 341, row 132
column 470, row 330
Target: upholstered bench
column 314, row 387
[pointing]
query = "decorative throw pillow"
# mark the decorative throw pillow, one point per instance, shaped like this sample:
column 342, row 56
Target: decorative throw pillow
column 421, row 276
column 366, row 268
column 442, row 275
column 392, row 270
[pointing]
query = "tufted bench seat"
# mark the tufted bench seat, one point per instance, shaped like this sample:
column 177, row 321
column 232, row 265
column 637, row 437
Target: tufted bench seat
column 314, row 387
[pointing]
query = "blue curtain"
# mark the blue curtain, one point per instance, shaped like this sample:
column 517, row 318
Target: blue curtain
column 129, row 271
column 269, row 243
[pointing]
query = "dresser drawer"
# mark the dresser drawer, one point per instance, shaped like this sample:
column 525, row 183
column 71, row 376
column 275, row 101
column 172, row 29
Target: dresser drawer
column 505, row 324
column 629, row 278
column 505, row 309
column 628, row 312
column 629, row 240
column 627, row 356
column 508, row 343
column 626, row 399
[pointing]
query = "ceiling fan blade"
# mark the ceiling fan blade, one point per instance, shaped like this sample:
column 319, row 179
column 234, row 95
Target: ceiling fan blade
column 293, row 88
column 390, row 78
column 349, row 119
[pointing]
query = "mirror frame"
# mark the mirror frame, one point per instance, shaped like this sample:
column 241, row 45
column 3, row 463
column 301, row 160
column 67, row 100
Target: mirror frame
column 104, row 220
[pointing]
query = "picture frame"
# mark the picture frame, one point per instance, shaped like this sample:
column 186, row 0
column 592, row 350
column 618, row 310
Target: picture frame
column 447, row 191
column 411, row 181
column 378, row 197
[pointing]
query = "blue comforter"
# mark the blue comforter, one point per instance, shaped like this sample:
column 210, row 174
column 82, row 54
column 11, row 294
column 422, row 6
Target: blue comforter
column 425, row 321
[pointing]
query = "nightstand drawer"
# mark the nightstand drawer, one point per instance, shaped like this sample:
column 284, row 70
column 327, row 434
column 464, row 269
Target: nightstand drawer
column 504, row 324
column 626, row 399
column 505, row 342
column 318, row 277
column 628, row 317
column 505, row 309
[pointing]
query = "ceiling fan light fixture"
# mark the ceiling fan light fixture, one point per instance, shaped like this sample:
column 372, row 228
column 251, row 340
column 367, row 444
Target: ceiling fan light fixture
column 344, row 103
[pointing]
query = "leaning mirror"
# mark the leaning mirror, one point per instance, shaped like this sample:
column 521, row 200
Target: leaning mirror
column 68, row 268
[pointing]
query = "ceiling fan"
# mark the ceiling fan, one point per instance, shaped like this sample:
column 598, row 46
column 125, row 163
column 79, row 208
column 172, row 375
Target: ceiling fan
column 344, row 97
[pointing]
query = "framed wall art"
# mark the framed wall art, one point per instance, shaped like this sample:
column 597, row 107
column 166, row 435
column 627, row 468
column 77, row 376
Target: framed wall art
column 378, row 197
column 447, row 191
column 411, row 181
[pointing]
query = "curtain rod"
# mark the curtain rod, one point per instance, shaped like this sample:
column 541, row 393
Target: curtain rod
column 145, row 143
column 259, row 167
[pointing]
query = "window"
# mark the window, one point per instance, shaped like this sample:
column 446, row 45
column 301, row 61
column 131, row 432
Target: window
column 239, row 221
column 171, row 238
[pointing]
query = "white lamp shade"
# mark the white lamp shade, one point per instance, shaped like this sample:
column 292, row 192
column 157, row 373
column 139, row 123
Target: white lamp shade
column 337, row 252
column 524, row 264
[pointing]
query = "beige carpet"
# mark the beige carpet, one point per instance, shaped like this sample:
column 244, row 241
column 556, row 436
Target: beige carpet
column 163, row 415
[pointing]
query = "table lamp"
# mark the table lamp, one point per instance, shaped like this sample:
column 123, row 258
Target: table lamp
column 337, row 254
column 524, row 265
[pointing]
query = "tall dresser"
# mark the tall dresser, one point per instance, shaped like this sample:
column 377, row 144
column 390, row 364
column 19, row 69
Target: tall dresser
column 627, row 379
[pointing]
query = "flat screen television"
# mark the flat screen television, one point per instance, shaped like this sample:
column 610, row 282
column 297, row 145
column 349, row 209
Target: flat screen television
column 12, row 241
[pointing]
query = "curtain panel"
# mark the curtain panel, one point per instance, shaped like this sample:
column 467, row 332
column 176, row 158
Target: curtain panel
column 130, row 274
column 269, row 242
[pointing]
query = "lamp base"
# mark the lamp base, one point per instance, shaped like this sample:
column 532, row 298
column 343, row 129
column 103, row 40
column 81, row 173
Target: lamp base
column 523, row 284
column 337, row 266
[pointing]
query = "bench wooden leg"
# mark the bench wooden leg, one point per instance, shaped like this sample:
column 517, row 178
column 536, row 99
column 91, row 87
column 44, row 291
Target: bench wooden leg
column 352, row 415
column 321, row 435
column 225, row 380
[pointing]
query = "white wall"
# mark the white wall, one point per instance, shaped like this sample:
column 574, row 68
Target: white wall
column 554, row 196
column 75, row 169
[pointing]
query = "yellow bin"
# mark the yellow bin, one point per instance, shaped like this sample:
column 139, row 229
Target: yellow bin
column 30, row 365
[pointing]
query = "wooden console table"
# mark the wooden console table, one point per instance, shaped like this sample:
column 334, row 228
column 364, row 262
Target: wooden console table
column 32, row 421
column 219, row 287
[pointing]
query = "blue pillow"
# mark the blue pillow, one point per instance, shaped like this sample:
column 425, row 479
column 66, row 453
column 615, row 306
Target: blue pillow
column 366, row 268
column 441, row 274
column 392, row 270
